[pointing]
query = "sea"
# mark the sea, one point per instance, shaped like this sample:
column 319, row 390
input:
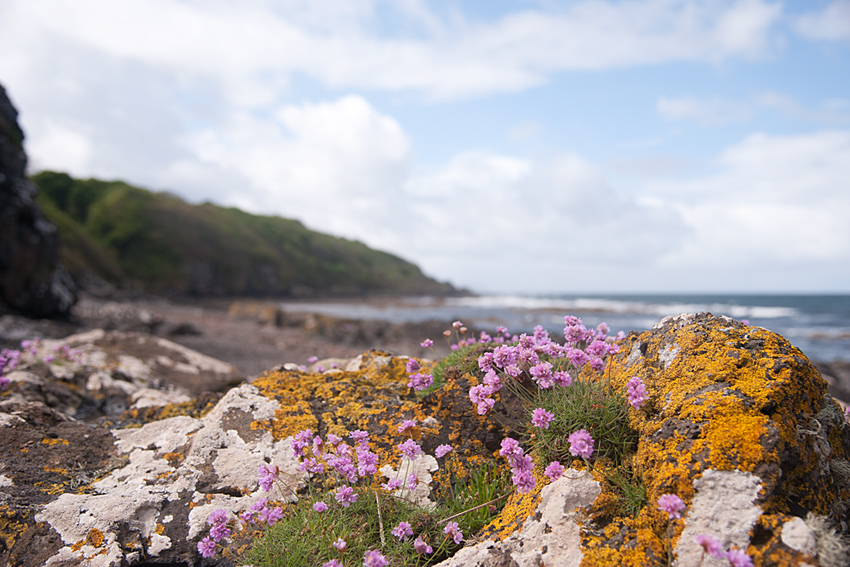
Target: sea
column 819, row 325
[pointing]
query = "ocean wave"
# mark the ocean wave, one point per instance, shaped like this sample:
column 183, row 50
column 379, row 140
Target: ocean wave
column 619, row 306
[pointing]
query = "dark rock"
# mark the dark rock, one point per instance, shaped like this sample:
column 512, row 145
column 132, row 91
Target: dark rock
column 32, row 282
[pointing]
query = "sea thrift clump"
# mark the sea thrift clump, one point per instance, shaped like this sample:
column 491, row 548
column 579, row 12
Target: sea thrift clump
column 581, row 444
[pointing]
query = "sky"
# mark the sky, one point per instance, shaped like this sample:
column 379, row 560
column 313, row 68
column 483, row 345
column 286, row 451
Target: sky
column 536, row 146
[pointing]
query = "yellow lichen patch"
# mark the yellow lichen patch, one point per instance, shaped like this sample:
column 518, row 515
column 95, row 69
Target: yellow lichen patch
column 306, row 398
column 160, row 529
column 517, row 510
column 94, row 538
column 49, row 442
column 55, row 470
column 724, row 396
column 11, row 526
column 173, row 459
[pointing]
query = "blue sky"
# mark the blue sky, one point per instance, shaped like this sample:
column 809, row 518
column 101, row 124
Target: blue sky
column 528, row 146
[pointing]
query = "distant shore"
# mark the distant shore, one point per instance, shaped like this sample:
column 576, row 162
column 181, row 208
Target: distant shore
column 256, row 335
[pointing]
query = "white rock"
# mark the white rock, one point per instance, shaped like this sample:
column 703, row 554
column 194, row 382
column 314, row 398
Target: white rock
column 550, row 536
column 723, row 507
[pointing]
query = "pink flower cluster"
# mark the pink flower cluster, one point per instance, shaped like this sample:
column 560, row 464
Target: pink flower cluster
column 418, row 381
column 581, row 444
column 219, row 530
column 636, row 392
column 521, row 464
column 452, row 530
column 523, row 360
column 260, row 512
column 351, row 463
column 735, row 556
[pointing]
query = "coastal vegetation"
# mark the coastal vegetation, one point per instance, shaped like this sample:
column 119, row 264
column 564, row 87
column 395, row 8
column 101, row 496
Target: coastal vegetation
column 156, row 242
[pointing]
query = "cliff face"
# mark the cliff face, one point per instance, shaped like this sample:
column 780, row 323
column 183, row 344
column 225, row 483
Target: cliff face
column 31, row 280
column 737, row 424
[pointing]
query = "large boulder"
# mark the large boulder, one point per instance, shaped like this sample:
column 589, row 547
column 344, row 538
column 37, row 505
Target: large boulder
column 32, row 282
column 738, row 424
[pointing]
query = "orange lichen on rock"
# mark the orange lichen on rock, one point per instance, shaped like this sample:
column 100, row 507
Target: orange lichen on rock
column 346, row 396
column 726, row 396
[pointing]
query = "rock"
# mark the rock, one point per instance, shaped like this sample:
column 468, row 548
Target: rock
column 101, row 374
column 32, row 282
column 738, row 424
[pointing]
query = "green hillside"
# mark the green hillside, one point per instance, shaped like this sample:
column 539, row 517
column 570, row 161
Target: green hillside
column 162, row 244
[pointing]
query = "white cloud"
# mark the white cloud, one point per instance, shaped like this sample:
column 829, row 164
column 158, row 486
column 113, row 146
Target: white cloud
column 832, row 23
column 68, row 148
column 339, row 165
column 831, row 112
column 253, row 50
column 705, row 112
column 776, row 202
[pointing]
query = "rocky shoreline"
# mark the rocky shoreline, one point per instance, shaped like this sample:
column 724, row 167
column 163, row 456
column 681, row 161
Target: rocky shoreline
column 257, row 335
column 118, row 445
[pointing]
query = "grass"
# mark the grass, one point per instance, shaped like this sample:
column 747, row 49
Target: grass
column 305, row 537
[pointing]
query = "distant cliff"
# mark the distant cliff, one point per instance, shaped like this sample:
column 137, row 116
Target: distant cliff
column 156, row 242
column 32, row 282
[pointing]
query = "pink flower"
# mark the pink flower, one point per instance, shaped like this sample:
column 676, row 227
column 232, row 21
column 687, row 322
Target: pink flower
column 346, row 496
column 710, row 545
column 320, row 506
column 554, row 471
column 219, row 531
column 206, row 547
column 581, row 444
column 410, row 449
column 313, row 359
column 421, row 547
column 420, row 382
column 524, row 481
column 340, row 544
column 427, row 343
column 562, row 378
column 373, row 558
column 636, row 392
column 442, row 451
column 671, row 504
column 412, row 366
column 402, row 531
column 412, row 481
column 542, row 418
column 332, row 563
column 406, row 424
column 217, row 517
column 452, row 530
column 392, row 484
column 738, row 558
